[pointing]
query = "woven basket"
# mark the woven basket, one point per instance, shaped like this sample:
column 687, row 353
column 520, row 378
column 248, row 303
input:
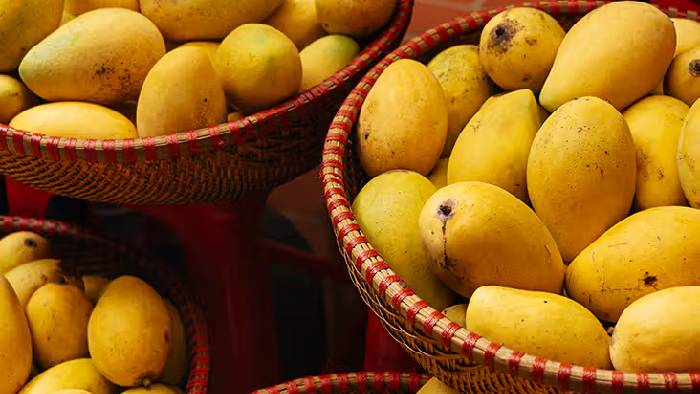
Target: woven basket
column 458, row 357
column 361, row 382
column 86, row 254
column 219, row 163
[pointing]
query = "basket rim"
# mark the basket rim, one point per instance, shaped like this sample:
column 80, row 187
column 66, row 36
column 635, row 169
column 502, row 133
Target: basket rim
column 204, row 140
column 197, row 331
column 378, row 381
column 361, row 256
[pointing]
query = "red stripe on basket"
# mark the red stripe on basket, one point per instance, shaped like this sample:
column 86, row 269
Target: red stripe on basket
column 671, row 381
column 18, row 143
column 564, row 376
column 333, row 150
column 413, row 311
column 339, row 202
column 414, row 382
column 291, row 388
column 110, row 153
column 352, row 244
column 326, row 384
column 361, row 382
column 172, row 143
column 490, row 354
column 52, row 147
column 573, row 7
column 449, row 332
column 514, row 362
column 35, row 145
column 394, row 382
column 333, row 163
column 343, row 383
column 366, row 255
column 442, row 32
column 192, row 145
column 398, row 298
column 642, row 382
column 347, row 229
column 69, row 148
column 215, row 136
column 431, row 321
column 378, row 382
column 341, row 217
column 554, row 8
column 588, row 380
column 695, row 381
column 468, row 345
column 618, row 381
column 374, row 268
column 386, row 282
column 333, row 191
column 538, row 369
column 128, row 152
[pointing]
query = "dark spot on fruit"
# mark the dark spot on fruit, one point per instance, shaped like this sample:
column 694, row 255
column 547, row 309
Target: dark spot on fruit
column 365, row 136
column 30, row 243
column 531, row 41
column 526, row 77
column 694, row 67
column 545, row 301
column 446, row 210
column 206, row 100
column 502, row 35
column 649, row 280
column 660, row 174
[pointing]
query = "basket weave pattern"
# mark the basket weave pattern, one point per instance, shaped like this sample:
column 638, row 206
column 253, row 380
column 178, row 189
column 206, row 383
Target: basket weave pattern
column 361, row 382
column 457, row 356
column 87, row 254
column 218, row 163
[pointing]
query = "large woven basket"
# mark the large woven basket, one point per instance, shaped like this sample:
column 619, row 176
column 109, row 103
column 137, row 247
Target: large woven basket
column 361, row 382
column 219, row 163
column 86, row 254
column 457, row 356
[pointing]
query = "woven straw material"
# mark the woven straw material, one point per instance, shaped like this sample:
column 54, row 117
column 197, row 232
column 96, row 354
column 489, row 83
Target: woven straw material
column 86, row 254
column 458, row 357
column 219, row 163
column 361, row 382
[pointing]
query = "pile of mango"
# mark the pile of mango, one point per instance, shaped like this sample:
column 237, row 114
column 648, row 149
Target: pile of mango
column 65, row 334
column 543, row 184
column 139, row 68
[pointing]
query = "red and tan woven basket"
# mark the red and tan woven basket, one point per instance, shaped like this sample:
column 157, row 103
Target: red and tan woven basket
column 86, row 254
column 360, row 382
column 457, row 356
column 219, row 163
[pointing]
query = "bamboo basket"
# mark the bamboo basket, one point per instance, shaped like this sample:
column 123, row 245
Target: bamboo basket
column 86, row 254
column 458, row 357
column 218, row 163
column 361, row 382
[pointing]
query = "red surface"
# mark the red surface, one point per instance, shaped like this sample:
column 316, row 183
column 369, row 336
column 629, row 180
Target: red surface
column 382, row 352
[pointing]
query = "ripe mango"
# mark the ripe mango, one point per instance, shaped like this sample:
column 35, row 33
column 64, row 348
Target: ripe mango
column 403, row 121
column 77, row 7
column 180, row 93
column 648, row 251
column 387, row 209
column 94, row 286
column 27, row 278
column 176, row 367
column 687, row 34
column 683, row 76
column 466, row 86
column 689, row 156
column 581, row 172
column 655, row 123
column 15, row 341
column 356, row 18
column 495, row 145
column 668, row 342
column 154, row 389
column 438, row 176
column 79, row 374
column 457, row 313
column 518, row 47
column 324, row 57
column 297, row 19
column 209, row 46
column 14, row 98
column 478, row 234
column 22, row 25
column 435, row 386
column 603, row 56
column 544, row 324
column 102, row 56
column 22, row 247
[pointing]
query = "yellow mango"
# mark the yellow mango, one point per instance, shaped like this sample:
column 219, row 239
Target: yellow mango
column 495, row 144
column 581, row 172
column 687, row 34
column 258, row 66
column 77, row 7
column 457, row 313
column 651, row 250
column 154, row 389
column 478, row 234
column 438, row 176
column 22, row 25
column 94, row 286
column 435, row 386
column 403, row 120
column 518, row 46
column 655, row 123
column 79, row 374
column 683, row 76
column 15, row 341
column 356, row 18
column 297, row 19
column 209, row 46
column 324, row 57
column 689, row 156
column 71, row 391
column 27, row 278
column 22, row 247
column 76, row 120
column 466, row 87
column 387, row 209
column 543, row 324
column 603, row 56
column 180, row 93
column 176, row 367
column 659, row 333
column 102, row 56
column 14, row 98
column 205, row 19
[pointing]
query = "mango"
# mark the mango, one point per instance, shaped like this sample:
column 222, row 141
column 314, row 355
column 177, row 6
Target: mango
column 324, row 57
column 356, row 18
column 651, row 250
column 387, row 209
column 495, row 144
column 22, row 25
column 27, row 278
column 14, row 98
column 206, row 19
column 478, row 234
column 689, row 156
column 655, row 123
column 435, row 386
column 58, row 317
column 543, row 324
column 71, row 391
column 466, row 87
column 687, row 34
column 457, row 313
column 438, row 176
column 77, row 7
column 102, row 56
column 683, row 76
column 129, row 333
column 668, row 342
column 66, row 17
column 72, row 119
column 22, row 247
column 154, row 389
column 403, row 120
column 603, row 56
column 297, row 19
column 210, row 47
column 15, row 341
column 79, row 374
column 176, row 366
column 259, row 67
column 180, row 93
column 94, row 287
column 518, row 46
column 581, row 172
